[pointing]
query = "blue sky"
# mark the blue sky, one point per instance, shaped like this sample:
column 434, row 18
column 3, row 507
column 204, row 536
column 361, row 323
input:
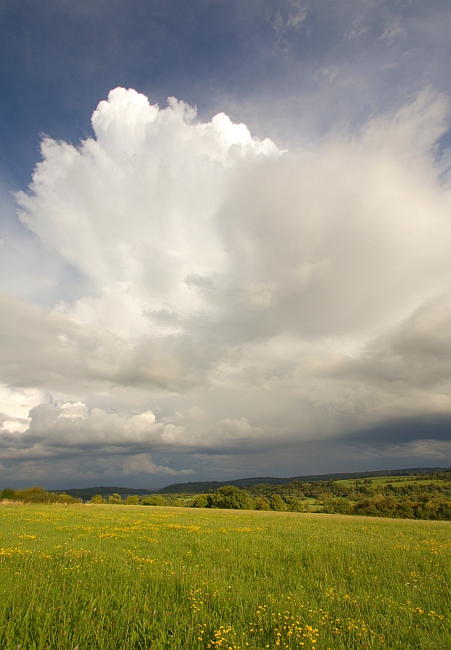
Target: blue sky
column 264, row 292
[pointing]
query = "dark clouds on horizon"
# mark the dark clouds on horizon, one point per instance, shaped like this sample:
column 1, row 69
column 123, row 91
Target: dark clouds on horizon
column 259, row 287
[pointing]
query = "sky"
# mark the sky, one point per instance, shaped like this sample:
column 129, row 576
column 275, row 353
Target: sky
column 225, row 237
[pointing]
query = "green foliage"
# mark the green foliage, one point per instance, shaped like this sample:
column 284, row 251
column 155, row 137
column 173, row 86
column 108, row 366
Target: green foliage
column 36, row 494
column 413, row 497
column 86, row 494
column 7, row 494
column 337, row 506
column 97, row 498
column 201, row 501
column 132, row 500
column 115, row 499
column 277, row 503
column 298, row 505
column 175, row 503
column 436, row 507
column 155, row 500
column 231, row 497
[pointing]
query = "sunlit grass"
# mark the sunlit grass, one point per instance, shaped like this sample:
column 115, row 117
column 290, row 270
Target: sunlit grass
column 124, row 577
column 398, row 481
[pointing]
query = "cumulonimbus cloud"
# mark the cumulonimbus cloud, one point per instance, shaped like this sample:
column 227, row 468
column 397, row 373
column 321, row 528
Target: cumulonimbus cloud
column 265, row 289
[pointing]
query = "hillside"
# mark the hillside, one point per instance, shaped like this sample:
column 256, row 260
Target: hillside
column 198, row 487
column 87, row 493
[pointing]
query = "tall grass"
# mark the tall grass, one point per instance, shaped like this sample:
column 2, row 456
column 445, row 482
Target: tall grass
column 114, row 577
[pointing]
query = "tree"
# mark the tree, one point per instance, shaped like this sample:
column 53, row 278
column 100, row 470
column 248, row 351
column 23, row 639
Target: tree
column 338, row 506
column 298, row 505
column 97, row 498
column 8, row 494
column 231, row 497
column 155, row 500
column 277, row 503
column 201, row 501
column 115, row 499
column 132, row 500
column 262, row 503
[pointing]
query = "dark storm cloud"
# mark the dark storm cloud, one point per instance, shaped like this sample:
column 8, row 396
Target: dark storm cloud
column 436, row 427
column 415, row 353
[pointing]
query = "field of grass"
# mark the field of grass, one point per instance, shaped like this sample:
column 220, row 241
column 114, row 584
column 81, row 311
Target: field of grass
column 424, row 479
column 124, row 577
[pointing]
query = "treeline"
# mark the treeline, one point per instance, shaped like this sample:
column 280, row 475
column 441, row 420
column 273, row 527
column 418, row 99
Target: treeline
column 36, row 494
column 419, row 498
column 137, row 500
column 86, row 494
column 207, row 487
column 227, row 497
column 434, row 507
column 360, row 488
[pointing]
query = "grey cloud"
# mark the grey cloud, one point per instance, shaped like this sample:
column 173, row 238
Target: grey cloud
column 414, row 354
column 71, row 429
column 42, row 348
column 435, row 427
column 269, row 291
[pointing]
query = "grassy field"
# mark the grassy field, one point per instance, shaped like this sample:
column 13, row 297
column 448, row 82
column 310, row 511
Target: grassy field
column 123, row 577
column 397, row 481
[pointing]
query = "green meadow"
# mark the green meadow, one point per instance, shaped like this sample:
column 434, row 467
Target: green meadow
column 382, row 481
column 124, row 577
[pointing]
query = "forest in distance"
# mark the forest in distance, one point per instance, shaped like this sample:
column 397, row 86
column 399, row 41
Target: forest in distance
column 412, row 496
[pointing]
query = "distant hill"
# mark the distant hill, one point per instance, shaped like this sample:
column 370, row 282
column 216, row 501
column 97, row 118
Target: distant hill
column 200, row 487
column 86, row 494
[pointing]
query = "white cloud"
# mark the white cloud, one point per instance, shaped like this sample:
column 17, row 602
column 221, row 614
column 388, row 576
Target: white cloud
column 247, row 295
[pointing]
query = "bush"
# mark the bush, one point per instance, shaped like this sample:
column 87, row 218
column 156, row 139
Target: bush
column 132, row 500
column 97, row 498
column 115, row 499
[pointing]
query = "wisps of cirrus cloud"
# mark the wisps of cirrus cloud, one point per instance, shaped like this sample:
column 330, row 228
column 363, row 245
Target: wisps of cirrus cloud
column 240, row 297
